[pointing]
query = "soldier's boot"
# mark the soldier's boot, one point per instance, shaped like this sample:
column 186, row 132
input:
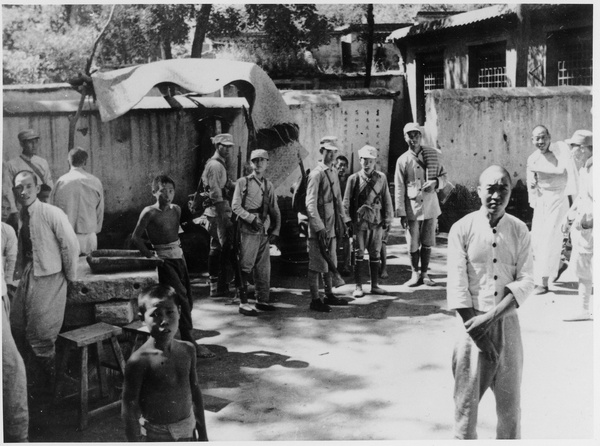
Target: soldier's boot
column 358, row 291
column 330, row 298
column 316, row 301
column 213, row 273
column 374, row 267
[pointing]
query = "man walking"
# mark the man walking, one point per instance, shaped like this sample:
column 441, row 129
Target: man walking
column 546, row 184
column 419, row 173
column 81, row 196
column 325, row 209
column 489, row 277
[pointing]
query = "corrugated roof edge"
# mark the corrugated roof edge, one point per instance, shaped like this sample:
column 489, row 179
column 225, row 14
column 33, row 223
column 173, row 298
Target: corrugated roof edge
column 466, row 18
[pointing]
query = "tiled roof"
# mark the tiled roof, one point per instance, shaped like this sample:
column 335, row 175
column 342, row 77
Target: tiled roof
column 467, row 18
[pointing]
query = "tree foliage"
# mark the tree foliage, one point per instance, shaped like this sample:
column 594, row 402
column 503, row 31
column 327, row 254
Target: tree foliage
column 289, row 27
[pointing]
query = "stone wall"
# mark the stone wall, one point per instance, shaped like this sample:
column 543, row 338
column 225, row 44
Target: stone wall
column 475, row 128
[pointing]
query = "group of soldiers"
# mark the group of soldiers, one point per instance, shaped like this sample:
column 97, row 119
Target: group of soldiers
column 362, row 210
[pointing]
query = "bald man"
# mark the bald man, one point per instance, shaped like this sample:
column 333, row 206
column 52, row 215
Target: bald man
column 489, row 277
column 547, row 181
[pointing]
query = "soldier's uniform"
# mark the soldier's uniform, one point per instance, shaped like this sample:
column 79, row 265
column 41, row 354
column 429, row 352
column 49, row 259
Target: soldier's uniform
column 218, row 218
column 324, row 207
column 368, row 202
column 254, row 198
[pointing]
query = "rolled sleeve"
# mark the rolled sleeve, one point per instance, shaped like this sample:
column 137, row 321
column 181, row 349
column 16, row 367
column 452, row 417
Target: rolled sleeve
column 458, row 295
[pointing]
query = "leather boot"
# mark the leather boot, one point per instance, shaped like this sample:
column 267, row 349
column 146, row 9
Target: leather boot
column 425, row 256
column 330, row 298
column 213, row 273
column 414, row 280
column 358, row 291
column 374, row 267
column 316, row 303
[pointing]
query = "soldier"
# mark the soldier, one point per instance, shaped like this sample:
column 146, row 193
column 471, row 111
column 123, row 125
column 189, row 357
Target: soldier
column 259, row 220
column 418, row 175
column 325, row 209
column 368, row 202
column 27, row 160
column 218, row 215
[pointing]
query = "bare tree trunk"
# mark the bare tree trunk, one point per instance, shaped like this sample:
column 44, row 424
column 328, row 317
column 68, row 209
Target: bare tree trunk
column 165, row 50
column 200, row 32
column 370, row 41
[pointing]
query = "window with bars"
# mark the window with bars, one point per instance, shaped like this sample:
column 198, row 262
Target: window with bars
column 487, row 65
column 569, row 57
column 575, row 64
column 433, row 75
column 430, row 76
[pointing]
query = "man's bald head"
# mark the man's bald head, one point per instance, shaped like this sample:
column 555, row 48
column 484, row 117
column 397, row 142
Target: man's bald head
column 541, row 127
column 494, row 170
column 494, row 191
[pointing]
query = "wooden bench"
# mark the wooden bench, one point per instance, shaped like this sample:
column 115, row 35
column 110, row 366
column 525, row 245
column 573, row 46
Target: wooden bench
column 82, row 338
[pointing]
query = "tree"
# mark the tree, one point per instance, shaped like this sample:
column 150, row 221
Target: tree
column 370, row 42
column 202, row 20
column 289, row 27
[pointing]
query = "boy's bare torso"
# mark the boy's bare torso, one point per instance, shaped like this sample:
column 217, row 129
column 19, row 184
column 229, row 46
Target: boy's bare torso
column 163, row 226
column 165, row 393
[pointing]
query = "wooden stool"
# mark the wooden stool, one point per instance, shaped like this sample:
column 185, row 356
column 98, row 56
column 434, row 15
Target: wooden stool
column 138, row 332
column 82, row 338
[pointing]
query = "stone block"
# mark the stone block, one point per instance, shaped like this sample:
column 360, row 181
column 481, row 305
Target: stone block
column 116, row 312
column 95, row 288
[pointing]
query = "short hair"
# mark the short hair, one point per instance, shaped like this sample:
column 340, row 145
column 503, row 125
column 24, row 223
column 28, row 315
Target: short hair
column 155, row 291
column 28, row 172
column 162, row 179
column 45, row 188
column 77, row 157
column 342, row 158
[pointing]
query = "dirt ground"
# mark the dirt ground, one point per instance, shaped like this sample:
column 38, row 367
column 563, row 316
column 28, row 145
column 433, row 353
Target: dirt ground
column 378, row 369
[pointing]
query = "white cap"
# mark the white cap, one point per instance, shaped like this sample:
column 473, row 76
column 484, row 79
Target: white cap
column 368, row 152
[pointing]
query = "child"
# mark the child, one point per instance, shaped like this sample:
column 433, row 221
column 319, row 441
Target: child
column 255, row 204
column 161, row 224
column 368, row 202
column 161, row 390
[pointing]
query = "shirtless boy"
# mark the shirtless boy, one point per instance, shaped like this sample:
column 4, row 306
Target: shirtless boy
column 161, row 390
column 160, row 222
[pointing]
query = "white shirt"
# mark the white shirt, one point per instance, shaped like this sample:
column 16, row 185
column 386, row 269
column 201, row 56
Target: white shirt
column 55, row 245
column 482, row 261
column 9, row 253
column 81, row 196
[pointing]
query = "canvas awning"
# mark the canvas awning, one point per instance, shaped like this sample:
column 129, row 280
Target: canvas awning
column 119, row 91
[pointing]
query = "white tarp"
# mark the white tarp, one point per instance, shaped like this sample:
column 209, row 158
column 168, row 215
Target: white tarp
column 120, row 90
